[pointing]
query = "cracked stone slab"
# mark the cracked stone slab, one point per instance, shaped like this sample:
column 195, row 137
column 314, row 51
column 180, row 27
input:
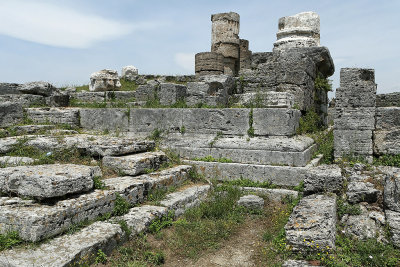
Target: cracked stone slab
column 251, row 202
column 391, row 195
column 137, row 163
column 68, row 116
column 182, row 200
column 47, row 181
column 272, row 194
column 324, row 178
column 67, row 250
column 94, row 145
column 312, row 222
column 138, row 219
column 9, row 161
column 393, row 220
column 362, row 191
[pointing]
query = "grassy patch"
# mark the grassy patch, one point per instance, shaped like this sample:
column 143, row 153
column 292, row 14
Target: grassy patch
column 345, row 208
column 121, row 206
column 387, row 160
column 322, row 84
column 324, row 141
column 250, row 131
column 310, row 122
column 128, row 85
column 9, row 240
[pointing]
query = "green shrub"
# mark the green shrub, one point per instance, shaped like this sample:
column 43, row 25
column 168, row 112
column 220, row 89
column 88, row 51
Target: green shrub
column 322, row 84
column 346, row 208
column 388, row 160
column 9, row 240
column 250, row 131
column 101, row 257
column 309, row 123
column 98, row 183
column 121, row 206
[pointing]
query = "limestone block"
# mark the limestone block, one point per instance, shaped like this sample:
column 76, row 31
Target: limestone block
column 9, row 88
column 96, row 97
column 294, row 66
column 112, row 119
column 393, row 220
column 9, row 161
column 387, row 118
column 10, row 113
column 225, row 28
column 382, row 100
column 104, row 80
column 54, row 115
column 387, row 142
column 324, row 178
column 362, row 192
column 352, row 143
column 227, row 50
column 137, row 163
column 129, row 71
column 58, row 100
column 266, row 99
column 300, row 30
column 25, row 100
column 211, row 94
column 139, row 218
column 360, row 118
column 296, row 263
column 313, row 220
column 391, row 195
column 46, row 181
column 171, row 93
column 148, row 91
column 275, row 121
column 233, row 121
column 37, row 88
column 244, row 54
column 363, row 226
column 218, row 82
column 145, row 121
column 251, row 202
column 272, row 194
column 68, row 250
column 182, row 200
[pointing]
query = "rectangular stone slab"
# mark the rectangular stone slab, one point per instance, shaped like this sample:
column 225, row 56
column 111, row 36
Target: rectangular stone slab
column 275, row 121
column 112, row 119
column 312, row 223
column 47, row 181
column 68, row 116
column 137, row 163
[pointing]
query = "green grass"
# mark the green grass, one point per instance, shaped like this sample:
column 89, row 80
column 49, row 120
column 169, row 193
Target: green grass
column 324, row 142
column 322, row 84
column 310, row 123
column 128, row 85
column 346, row 208
column 121, row 206
column 9, row 240
column 387, row 160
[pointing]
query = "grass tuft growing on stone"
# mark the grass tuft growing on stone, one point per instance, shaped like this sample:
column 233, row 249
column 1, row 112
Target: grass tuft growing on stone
column 345, row 208
column 9, row 240
column 210, row 158
column 387, row 160
column 121, row 206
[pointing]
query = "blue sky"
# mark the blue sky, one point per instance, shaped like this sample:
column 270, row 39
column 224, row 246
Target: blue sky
column 64, row 41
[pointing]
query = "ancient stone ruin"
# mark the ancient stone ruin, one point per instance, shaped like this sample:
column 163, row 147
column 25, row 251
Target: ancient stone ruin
column 241, row 116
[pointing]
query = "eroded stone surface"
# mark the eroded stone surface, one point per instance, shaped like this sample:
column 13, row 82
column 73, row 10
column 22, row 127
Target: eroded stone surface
column 47, row 181
column 272, row 194
column 10, row 113
column 251, row 202
column 391, row 195
column 104, row 80
column 8, row 161
column 137, row 163
column 68, row 116
column 325, row 178
column 37, row 88
column 312, row 222
column 362, row 192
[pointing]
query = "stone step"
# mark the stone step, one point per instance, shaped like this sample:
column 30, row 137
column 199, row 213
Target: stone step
column 8, row 161
column 137, row 163
column 78, row 249
column 312, row 224
column 292, row 151
column 47, row 181
column 94, row 145
column 68, row 116
column 188, row 198
column 37, row 221
column 278, row 175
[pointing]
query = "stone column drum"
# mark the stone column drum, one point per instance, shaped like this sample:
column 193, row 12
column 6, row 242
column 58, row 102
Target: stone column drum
column 225, row 39
column 209, row 63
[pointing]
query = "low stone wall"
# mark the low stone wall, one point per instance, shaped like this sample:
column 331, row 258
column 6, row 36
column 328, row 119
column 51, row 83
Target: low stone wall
column 388, row 100
column 387, row 131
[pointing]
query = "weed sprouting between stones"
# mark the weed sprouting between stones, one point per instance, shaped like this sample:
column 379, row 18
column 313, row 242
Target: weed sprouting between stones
column 250, row 131
column 387, row 160
column 9, row 240
column 98, row 183
column 345, row 208
column 101, row 257
column 210, row 158
column 121, row 206
column 160, row 223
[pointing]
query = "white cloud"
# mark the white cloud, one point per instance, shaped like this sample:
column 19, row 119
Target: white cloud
column 53, row 25
column 185, row 60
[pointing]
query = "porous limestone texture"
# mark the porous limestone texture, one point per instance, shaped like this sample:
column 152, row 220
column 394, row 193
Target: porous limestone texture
column 268, row 121
column 391, row 195
column 387, row 100
column 104, row 80
column 393, row 220
column 137, row 163
column 139, row 219
column 9, row 88
column 225, row 29
column 68, row 250
column 94, row 145
column 324, row 178
column 128, row 72
column 25, row 100
column 300, row 30
column 266, row 99
column 312, row 222
column 272, row 194
column 171, row 93
column 367, row 225
column 362, row 192
column 244, row 54
column 296, row 263
column 147, row 92
column 294, row 151
column 251, row 202
column 355, row 113
column 9, row 161
column 58, row 100
column 68, row 116
column 37, row 88
column 387, row 131
column 217, row 82
column 47, row 181
column 10, row 113
column 191, row 197
column 209, row 63
column 278, row 175
column 208, row 93
column 111, row 119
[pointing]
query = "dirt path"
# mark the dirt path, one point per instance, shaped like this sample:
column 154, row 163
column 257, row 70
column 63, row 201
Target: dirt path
column 239, row 250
